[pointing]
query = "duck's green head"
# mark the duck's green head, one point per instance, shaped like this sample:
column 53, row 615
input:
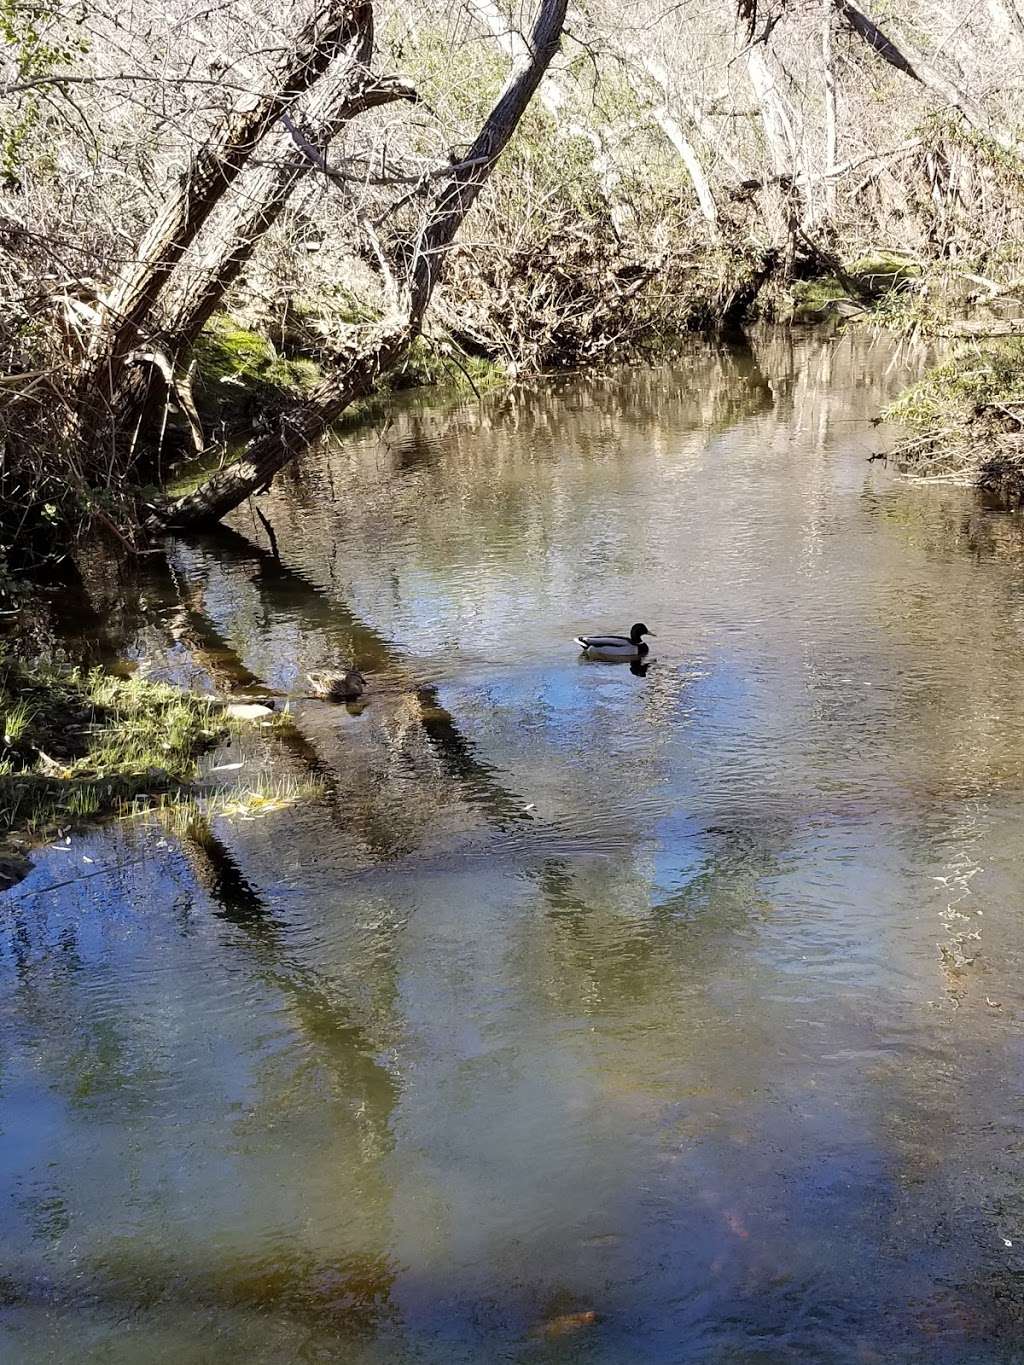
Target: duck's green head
column 638, row 632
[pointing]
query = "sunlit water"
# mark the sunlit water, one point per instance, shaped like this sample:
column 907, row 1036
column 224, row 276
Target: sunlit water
column 585, row 1016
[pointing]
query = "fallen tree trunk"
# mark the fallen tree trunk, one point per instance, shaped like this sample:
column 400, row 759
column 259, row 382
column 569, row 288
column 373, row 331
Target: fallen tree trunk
column 304, row 422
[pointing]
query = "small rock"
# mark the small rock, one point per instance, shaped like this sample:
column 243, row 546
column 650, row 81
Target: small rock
column 247, row 711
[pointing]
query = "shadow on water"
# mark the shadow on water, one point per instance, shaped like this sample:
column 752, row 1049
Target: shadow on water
column 624, row 940
column 330, row 1302
column 340, row 1297
column 323, row 1018
column 283, row 592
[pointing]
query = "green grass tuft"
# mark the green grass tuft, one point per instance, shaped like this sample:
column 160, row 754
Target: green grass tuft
column 184, row 811
column 82, row 745
column 15, row 720
column 951, row 393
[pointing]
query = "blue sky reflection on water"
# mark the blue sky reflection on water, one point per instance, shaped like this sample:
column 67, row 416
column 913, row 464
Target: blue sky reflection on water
column 689, row 1001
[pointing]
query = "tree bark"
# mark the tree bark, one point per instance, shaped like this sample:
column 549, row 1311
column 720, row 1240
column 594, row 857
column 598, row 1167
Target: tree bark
column 214, row 168
column 259, row 207
column 306, row 421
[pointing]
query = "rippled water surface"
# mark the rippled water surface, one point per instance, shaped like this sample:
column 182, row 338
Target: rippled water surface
column 585, row 1016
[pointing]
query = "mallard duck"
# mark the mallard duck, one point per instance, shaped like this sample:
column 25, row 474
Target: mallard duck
column 614, row 647
column 346, row 686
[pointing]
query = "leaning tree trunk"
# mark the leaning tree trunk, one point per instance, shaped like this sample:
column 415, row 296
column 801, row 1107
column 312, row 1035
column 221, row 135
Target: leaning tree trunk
column 181, row 313
column 920, row 70
column 556, row 100
column 790, row 191
column 306, row 421
column 258, row 208
column 180, row 318
column 661, row 113
column 214, row 168
column 687, row 154
column 775, row 114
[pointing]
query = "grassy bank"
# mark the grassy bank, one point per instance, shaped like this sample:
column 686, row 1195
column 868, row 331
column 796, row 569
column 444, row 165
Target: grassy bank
column 76, row 747
column 966, row 418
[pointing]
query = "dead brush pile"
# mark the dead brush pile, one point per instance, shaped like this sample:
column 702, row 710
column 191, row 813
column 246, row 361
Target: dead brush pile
column 583, row 297
column 52, row 487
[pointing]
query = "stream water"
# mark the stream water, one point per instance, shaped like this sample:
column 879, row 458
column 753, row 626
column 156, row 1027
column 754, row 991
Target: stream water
column 583, row 1015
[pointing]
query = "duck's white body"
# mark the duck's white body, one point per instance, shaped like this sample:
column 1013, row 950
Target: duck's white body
column 611, row 648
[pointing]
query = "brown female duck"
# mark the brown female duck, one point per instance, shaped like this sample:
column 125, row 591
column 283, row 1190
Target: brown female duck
column 347, row 685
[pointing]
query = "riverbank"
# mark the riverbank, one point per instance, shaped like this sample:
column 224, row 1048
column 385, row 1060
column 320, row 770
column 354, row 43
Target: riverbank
column 78, row 747
column 966, row 419
column 258, row 360
column 272, row 347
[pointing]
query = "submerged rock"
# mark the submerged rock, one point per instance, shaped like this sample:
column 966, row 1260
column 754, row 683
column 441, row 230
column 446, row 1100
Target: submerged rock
column 565, row 1323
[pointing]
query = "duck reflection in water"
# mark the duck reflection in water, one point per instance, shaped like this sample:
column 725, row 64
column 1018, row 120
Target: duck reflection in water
column 638, row 667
